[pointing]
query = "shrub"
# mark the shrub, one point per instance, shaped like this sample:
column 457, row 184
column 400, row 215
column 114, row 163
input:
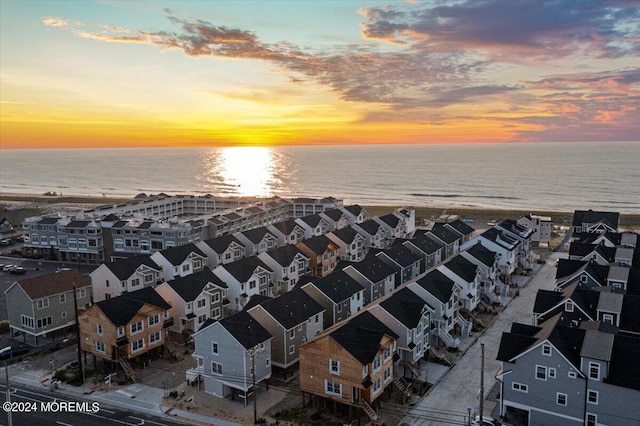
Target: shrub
column 4, row 326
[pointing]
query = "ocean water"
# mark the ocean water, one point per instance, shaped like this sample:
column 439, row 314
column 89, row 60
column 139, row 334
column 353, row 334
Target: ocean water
column 533, row 176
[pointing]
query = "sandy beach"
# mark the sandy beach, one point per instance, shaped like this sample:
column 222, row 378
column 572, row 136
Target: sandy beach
column 49, row 204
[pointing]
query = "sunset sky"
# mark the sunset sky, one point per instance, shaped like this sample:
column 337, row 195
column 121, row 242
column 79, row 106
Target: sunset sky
column 209, row 73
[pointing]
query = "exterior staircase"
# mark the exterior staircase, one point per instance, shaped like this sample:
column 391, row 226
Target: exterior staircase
column 442, row 356
column 129, row 371
column 465, row 325
column 370, row 412
column 504, row 289
column 404, row 390
column 415, row 370
column 448, row 340
column 491, row 296
column 174, row 350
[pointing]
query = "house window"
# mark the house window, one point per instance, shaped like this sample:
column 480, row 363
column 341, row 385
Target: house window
column 561, row 398
column 387, row 353
column 377, row 363
column 365, row 370
column 135, row 282
column 185, row 267
column 137, row 345
column 189, row 306
column 339, row 307
column 592, row 397
column 573, row 374
column 608, row 318
column 136, row 327
column 592, row 419
column 334, row 367
column 377, row 385
column 43, row 303
column 148, row 278
column 568, row 306
column 292, row 349
column 387, row 374
column 215, row 297
column 552, row 373
column 154, row 337
column 252, row 284
column 332, row 388
column 216, row 368
column 63, row 298
column 317, row 318
column 583, row 279
column 541, row 372
column 214, row 348
column 546, row 350
column 100, row 347
column 63, row 314
column 267, row 362
column 120, row 331
column 215, row 313
column 82, row 292
column 292, row 334
column 153, row 320
column 99, row 329
column 44, row 322
column 227, row 256
column 202, row 303
column 520, row 387
column 594, row 371
column 27, row 321
column 202, row 318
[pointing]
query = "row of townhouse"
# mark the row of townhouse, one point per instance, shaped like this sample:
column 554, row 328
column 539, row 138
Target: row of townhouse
column 149, row 225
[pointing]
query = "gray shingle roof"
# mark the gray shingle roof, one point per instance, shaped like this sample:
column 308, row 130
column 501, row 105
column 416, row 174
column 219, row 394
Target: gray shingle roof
column 361, row 336
column 120, row 310
column 191, row 286
column 222, row 243
column 338, row 286
column 177, row 255
column 292, row 308
column 243, row 269
column 124, row 268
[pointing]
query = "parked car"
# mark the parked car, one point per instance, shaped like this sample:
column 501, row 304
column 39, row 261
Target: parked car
column 5, row 242
column 8, row 268
column 18, row 270
column 486, row 421
column 13, row 351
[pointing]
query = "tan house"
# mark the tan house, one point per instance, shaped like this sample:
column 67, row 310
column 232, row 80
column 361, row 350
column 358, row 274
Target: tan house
column 351, row 364
column 132, row 326
column 322, row 254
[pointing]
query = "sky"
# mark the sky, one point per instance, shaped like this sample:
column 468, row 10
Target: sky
column 222, row 73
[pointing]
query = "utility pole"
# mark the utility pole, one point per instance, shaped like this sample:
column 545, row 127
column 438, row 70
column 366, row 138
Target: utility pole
column 481, row 382
column 75, row 309
column 255, row 393
column 6, row 372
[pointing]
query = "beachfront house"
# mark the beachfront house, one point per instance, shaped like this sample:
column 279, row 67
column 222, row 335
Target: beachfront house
column 194, row 299
column 313, row 225
column 522, row 234
column 340, row 295
column 410, row 318
column 292, row 319
column 392, row 225
column 244, row 278
column 443, row 295
column 287, row 232
column 355, row 214
column 128, row 327
column 41, row 309
column 467, row 276
column 351, row 245
column 222, row 250
column 373, row 233
column 125, row 275
column 542, row 226
column 430, row 251
column 257, row 240
column 351, row 364
column 404, row 261
column 377, row 278
column 500, row 243
column 322, row 254
column 336, row 218
column 447, row 237
column 232, row 355
column 554, row 374
column 594, row 222
column 180, row 261
column 491, row 288
column 288, row 264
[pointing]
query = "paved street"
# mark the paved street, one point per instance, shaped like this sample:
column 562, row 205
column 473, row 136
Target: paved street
column 449, row 401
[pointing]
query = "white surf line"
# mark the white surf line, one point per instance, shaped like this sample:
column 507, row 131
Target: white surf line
column 63, row 423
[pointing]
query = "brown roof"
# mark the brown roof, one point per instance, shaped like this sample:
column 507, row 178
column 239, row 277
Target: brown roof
column 59, row 282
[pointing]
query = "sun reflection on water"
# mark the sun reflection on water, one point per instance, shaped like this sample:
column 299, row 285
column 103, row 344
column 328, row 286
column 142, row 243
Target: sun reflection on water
column 242, row 171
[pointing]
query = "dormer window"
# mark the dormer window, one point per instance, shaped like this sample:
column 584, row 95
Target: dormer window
column 568, row 306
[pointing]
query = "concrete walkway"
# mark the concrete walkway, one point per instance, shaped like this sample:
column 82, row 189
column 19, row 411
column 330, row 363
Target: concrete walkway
column 456, row 395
